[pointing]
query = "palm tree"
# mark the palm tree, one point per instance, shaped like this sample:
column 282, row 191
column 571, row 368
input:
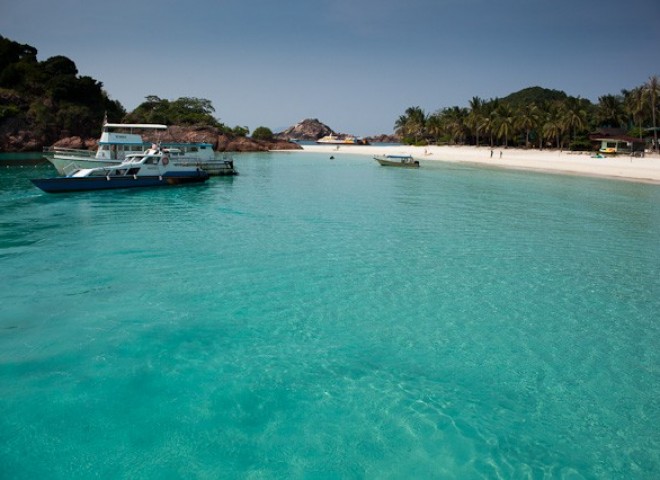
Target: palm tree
column 652, row 90
column 609, row 111
column 574, row 116
column 634, row 105
column 400, row 126
column 453, row 120
column 527, row 119
column 412, row 124
column 505, row 123
column 475, row 118
column 489, row 122
column 434, row 126
column 553, row 126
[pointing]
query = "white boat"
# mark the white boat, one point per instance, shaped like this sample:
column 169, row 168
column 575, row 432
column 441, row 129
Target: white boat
column 151, row 168
column 402, row 161
column 120, row 139
column 341, row 140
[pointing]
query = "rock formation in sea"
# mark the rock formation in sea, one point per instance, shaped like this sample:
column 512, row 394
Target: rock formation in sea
column 308, row 129
column 311, row 129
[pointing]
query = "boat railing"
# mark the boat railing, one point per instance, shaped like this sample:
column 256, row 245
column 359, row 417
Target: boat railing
column 74, row 152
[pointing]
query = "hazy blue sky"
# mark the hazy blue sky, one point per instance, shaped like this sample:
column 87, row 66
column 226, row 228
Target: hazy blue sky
column 356, row 65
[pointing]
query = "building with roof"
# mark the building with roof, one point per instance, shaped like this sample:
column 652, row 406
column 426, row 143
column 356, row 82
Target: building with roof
column 615, row 141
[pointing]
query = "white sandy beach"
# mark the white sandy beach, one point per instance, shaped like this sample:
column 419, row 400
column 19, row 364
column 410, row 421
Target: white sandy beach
column 623, row 167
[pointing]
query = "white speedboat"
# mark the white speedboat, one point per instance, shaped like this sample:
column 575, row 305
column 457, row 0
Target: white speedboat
column 151, row 168
column 402, row 161
column 119, row 140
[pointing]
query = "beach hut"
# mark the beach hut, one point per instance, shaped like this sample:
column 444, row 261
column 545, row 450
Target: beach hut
column 615, row 141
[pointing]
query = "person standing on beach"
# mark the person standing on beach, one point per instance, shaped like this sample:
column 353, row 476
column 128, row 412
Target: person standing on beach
column 491, row 153
column 500, row 153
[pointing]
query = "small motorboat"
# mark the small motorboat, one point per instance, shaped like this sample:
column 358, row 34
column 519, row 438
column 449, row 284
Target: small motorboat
column 151, row 168
column 403, row 161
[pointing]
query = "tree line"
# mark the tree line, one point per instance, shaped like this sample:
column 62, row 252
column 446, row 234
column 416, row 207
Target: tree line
column 536, row 117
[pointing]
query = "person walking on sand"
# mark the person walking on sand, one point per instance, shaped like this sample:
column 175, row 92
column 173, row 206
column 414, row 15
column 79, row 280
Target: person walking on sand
column 491, row 153
column 500, row 153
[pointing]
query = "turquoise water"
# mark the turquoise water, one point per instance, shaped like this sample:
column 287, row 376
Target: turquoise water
column 316, row 318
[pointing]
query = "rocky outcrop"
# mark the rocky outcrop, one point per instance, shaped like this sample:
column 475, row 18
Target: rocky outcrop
column 77, row 143
column 184, row 134
column 21, row 141
column 227, row 143
column 308, row 129
column 221, row 142
column 311, row 129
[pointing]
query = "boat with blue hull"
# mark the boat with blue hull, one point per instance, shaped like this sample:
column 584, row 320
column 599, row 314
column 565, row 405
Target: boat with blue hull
column 152, row 168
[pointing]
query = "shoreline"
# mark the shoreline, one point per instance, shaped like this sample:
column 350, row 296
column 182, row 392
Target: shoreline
column 632, row 169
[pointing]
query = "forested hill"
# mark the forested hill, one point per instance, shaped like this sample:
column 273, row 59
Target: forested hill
column 40, row 100
column 534, row 96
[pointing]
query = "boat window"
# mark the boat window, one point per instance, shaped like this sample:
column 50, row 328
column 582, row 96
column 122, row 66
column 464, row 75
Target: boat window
column 134, row 170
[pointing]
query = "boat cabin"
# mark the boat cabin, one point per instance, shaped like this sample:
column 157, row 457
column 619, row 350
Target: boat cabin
column 119, row 139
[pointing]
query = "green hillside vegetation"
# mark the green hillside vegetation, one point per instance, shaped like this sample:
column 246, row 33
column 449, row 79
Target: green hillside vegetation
column 49, row 97
column 536, row 117
column 183, row 111
column 534, row 95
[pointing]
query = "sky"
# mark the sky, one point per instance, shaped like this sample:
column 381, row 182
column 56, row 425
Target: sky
column 356, row 65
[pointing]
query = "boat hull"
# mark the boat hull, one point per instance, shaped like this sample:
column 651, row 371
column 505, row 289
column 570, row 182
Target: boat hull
column 64, row 164
column 78, row 184
column 398, row 163
column 68, row 164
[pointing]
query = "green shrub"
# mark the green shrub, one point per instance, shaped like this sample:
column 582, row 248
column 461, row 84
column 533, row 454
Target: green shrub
column 262, row 133
column 580, row 145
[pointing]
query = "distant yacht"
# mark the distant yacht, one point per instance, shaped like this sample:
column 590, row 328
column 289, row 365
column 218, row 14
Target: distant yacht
column 341, row 140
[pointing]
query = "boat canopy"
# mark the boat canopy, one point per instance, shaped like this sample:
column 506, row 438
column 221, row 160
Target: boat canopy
column 154, row 126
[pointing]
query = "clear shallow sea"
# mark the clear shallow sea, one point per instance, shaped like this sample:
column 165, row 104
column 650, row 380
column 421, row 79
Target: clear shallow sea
column 316, row 318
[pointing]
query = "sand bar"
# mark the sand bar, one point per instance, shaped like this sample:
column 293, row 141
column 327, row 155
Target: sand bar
column 622, row 167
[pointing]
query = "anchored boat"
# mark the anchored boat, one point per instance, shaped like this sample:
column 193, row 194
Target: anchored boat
column 152, row 168
column 118, row 140
column 341, row 140
column 403, row 161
